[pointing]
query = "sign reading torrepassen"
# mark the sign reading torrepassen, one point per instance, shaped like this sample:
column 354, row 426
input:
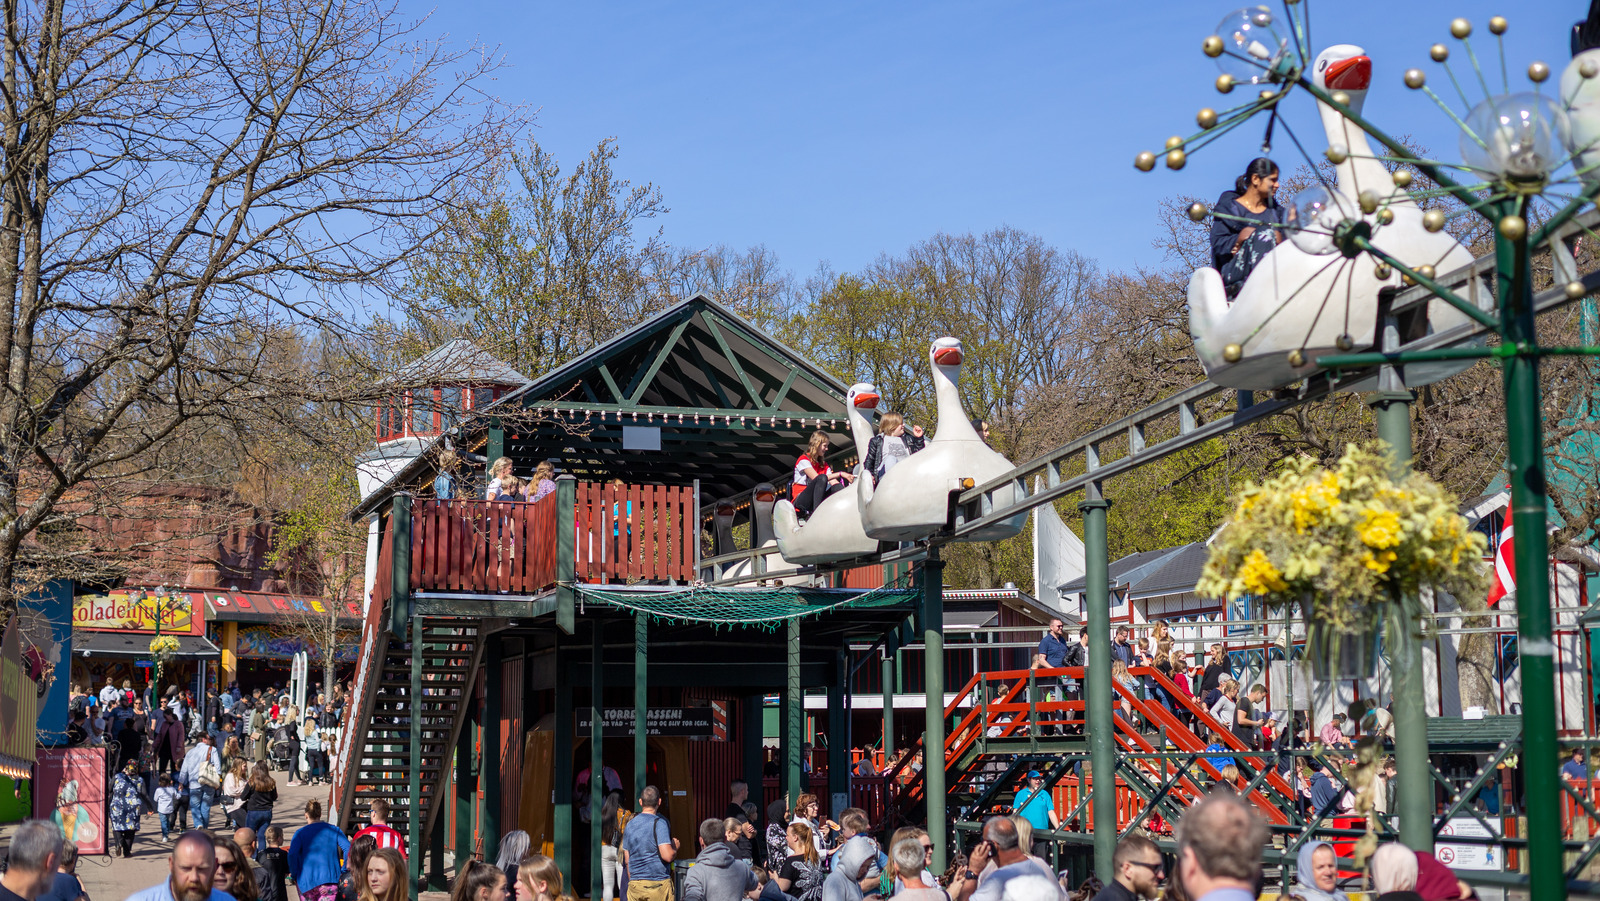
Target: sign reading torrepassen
column 691, row 721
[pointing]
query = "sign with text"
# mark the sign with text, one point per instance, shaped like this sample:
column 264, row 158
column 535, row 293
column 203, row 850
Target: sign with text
column 118, row 612
column 693, row 721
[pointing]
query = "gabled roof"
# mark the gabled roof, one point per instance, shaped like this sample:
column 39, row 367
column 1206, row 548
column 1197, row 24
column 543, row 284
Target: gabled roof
column 729, row 404
column 1127, row 570
column 458, row 362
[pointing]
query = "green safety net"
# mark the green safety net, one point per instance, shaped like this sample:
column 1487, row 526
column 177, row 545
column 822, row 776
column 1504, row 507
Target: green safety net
column 765, row 608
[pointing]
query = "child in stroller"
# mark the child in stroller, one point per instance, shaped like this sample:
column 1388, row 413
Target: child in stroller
column 282, row 746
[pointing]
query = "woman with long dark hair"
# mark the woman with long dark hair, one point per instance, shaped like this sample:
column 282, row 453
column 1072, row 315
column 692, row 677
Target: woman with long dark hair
column 1249, row 225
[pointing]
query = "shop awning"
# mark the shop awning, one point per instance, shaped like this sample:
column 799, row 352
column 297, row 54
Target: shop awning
column 137, row 644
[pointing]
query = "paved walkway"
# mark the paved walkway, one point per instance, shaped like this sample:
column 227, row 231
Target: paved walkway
column 114, row 878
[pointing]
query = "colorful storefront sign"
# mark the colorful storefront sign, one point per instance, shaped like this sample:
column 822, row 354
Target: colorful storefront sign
column 70, row 789
column 266, row 607
column 268, row 643
column 19, row 708
column 119, row 611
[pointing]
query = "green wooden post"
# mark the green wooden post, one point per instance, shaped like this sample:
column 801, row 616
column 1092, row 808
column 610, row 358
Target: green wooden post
column 414, row 780
column 1414, row 789
column 561, row 822
column 641, row 700
column 888, row 669
column 400, row 566
column 751, row 719
column 838, row 742
column 1101, row 726
column 496, row 447
column 566, row 556
column 493, row 703
column 1525, row 461
column 794, row 712
column 597, row 769
column 466, row 785
column 933, row 762
column 436, row 879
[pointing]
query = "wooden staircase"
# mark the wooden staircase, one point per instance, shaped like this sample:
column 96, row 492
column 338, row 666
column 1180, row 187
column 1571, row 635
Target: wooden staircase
column 378, row 759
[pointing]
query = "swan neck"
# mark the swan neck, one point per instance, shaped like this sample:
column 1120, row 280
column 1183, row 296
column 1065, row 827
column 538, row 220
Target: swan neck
column 1359, row 171
column 953, row 423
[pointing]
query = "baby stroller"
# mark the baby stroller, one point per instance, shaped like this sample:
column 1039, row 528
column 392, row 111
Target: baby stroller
column 278, row 747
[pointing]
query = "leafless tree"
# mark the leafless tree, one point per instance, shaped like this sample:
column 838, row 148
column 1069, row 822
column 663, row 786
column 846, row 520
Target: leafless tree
column 182, row 183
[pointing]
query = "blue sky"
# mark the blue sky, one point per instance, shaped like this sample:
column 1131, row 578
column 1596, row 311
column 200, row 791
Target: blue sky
column 836, row 132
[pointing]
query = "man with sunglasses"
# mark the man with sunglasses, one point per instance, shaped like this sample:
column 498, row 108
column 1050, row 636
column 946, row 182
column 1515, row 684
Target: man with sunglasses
column 1139, row 870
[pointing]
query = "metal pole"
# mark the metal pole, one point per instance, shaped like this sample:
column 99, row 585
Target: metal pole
column 1097, row 676
column 752, row 717
column 933, row 762
column 493, row 703
column 561, row 821
column 1414, row 793
column 466, row 784
column 414, row 782
column 641, row 700
column 838, row 738
column 1525, row 461
column 794, row 712
column 888, row 706
column 597, row 768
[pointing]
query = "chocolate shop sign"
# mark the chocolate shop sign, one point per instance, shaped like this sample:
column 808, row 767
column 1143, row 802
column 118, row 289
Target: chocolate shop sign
column 618, row 722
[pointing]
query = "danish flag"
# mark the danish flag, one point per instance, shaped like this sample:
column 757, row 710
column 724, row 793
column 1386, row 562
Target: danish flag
column 1505, row 573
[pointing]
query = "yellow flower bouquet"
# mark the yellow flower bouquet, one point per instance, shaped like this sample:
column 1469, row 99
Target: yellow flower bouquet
column 1345, row 542
column 164, row 647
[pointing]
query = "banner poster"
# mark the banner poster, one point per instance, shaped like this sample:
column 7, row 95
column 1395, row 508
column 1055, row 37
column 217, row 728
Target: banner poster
column 47, row 652
column 69, row 789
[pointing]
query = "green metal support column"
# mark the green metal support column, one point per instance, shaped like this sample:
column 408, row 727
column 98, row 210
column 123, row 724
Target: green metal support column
column 436, row 879
column 794, row 712
column 561, row 822
column 933, row 761
column 751, row 721
column 641, row 699
column 414, row 782
column 466, row 785
column 1414, row 789
column 495, row 448
column 489, row 772
column 838, row 737
column 566, row 555
column 1101, row 726
column 1525, row 461
column 597, row 768
column 889, row 689
column 400, row 566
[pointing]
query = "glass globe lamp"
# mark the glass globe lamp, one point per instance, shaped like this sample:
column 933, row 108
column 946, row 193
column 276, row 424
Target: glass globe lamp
column 1516, row 138
column 1313, row 215
column 1253, row 42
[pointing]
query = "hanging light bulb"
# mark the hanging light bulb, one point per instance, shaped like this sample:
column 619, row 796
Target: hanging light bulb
column 1519, row 138
column 1316, row 212
column 1253, row 43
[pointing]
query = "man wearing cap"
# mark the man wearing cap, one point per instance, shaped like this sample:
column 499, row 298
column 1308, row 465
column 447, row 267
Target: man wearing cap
column 1035, row 805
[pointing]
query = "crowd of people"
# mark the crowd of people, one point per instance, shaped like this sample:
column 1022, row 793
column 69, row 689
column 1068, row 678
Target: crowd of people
column 172, row 763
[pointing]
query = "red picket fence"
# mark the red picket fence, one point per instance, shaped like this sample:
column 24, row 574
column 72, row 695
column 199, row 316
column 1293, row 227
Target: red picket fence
column 623, row 533
column 633, row 532
column 483, row 546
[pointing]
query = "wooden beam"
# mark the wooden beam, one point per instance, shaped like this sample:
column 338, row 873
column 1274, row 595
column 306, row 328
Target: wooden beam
column 635, row 391
column 727, row 351
column 611, row 383
column 783, row 391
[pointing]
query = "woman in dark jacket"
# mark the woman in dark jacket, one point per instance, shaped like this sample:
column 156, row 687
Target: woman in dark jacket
column 1237, row 242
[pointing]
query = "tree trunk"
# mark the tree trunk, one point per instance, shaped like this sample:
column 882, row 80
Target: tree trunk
column 1475, row 659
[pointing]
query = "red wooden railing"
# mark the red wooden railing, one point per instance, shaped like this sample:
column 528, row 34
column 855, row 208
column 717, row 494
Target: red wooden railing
column 621, row 534
column 483, row 546
column 347, row 763
column 632, row 532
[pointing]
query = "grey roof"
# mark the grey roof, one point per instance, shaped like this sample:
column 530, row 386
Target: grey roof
column 1126, row 570
column 1178, row 573
column 459, row 361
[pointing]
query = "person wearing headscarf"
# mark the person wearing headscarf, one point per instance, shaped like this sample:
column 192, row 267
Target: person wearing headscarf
column 1316, row 875
column 1394, row 873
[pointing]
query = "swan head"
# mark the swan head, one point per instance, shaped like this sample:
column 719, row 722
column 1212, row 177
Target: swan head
column 863, row 396
column 726, row 510
column 1344, row 67
column 764, row 496
column 946, row 353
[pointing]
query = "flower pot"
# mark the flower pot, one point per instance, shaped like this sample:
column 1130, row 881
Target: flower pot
column 1335, row 654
